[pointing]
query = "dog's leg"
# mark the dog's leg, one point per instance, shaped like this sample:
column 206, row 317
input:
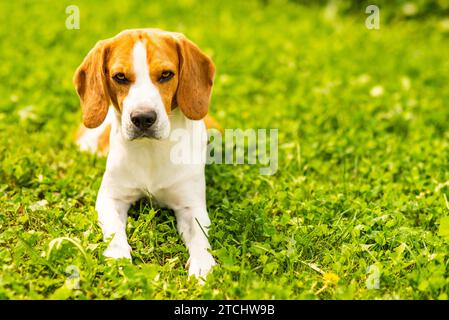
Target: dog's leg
column 193, row 224
column 112, row 216
column 188, row 200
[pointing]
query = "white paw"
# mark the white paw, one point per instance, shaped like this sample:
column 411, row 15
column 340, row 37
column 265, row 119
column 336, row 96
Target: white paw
column 117, row 251
column 200, row 265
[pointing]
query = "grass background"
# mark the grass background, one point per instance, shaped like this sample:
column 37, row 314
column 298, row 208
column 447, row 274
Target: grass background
column 363, row 171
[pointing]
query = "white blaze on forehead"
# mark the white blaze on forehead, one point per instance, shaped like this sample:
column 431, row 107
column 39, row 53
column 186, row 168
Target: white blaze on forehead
column 143, row 95
column 140, row 63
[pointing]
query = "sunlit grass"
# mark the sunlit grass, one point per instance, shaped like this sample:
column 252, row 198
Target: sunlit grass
column 363, row 148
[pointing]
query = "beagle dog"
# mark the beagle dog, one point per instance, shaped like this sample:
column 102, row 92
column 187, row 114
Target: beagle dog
column 135, row 90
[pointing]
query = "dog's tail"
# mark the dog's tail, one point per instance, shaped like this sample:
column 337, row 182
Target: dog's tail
column 211, row 123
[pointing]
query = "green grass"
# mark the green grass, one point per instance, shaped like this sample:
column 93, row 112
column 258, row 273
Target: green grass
column 363, row 179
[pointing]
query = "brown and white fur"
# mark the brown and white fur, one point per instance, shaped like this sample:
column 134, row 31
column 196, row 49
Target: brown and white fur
column 135, row 90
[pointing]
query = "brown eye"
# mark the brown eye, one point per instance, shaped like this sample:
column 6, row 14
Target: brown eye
column 120, row 78
column 165, row 76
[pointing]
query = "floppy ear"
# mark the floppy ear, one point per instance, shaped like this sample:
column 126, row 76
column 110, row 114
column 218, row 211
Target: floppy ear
column 196, row 78
column 90, row 83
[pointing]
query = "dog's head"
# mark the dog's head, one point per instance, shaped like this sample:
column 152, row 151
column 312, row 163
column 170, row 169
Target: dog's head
column 145, row 73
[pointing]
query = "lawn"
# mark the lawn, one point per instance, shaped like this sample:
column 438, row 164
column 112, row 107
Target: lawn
column 358, row 208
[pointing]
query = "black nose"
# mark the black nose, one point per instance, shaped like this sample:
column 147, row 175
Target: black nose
column 143, row 120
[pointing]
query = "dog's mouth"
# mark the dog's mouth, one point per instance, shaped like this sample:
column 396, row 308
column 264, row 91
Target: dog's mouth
column 144, row 135
column 155, row 132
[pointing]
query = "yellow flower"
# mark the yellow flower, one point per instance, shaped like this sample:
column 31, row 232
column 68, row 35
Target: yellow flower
column 330, row 278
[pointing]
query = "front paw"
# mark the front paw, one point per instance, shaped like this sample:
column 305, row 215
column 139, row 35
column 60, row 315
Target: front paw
column 200, row 266
column 117, row 251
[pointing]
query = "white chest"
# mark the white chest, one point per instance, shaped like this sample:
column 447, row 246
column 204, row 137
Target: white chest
column 151, row 165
